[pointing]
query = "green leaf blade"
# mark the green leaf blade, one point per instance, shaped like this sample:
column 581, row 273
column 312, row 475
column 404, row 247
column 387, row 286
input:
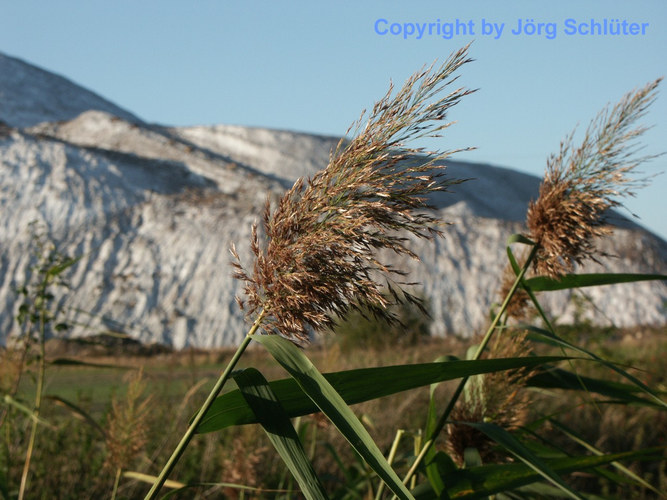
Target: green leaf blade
column 544, row 284
column 480, row 482
column 271, row 415
column 516, row 448
column 557, row 378
column 357, row 386
column 334, row 407
column 552, row 337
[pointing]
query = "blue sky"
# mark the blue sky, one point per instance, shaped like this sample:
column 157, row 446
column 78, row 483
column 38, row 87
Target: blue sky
column 313, row 66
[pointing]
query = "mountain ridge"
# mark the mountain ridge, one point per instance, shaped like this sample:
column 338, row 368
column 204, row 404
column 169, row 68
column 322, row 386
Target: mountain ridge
column 30, row 95
column 152, row 211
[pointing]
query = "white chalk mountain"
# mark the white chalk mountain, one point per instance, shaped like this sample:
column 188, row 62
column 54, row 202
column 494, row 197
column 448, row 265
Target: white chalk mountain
column 152, row 211
column 30, row 95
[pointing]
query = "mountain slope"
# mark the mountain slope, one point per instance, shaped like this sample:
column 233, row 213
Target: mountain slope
column 30, row 95
column 153, row 210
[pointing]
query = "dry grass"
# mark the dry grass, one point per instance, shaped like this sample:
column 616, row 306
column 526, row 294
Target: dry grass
column 320, row 256
column 498, row 397
column 126, row 433
column 68, row 462
column 582, row 183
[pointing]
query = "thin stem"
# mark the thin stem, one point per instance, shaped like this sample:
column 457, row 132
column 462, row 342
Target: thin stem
column 38, row 395
column 190, row 432
column 482, row 346
column 390, row 459
column 115, row 484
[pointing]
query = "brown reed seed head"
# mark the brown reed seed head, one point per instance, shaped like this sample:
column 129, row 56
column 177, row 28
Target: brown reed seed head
column 242, row 466
column 319, row 260
column 127, row 426
column 582, row 183
column 496, row 397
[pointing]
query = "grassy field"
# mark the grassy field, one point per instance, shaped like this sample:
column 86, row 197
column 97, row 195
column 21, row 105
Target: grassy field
column 73, row 448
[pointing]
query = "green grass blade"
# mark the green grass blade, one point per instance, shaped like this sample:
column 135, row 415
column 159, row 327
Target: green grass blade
column 356, row 386
column 78, row 412
column 275, row 422
column 10, row 401
column 177, row 487
column 519, row 238
column 557, row 378
column 58, row 269
column 431, row 467
column 623, row 469
column 519, row 450
column 512, row 260
column 334, row 407
column 544, row 284
column 480, row 482
column 150, row 479
column 612, row 366
column 550, row 336
column 336, row 457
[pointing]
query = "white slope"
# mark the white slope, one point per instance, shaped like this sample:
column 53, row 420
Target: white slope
column 460, row 273
column 154, row 232
column 30, row 95
column 491, row 191
column 106, row 132
column 152, row 212
column 285, row 155
column 152, row 236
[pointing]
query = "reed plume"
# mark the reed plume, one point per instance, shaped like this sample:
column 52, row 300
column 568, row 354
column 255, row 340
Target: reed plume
column 319, row 259
column 581, row 184
column 497, row 397
column 127, row 427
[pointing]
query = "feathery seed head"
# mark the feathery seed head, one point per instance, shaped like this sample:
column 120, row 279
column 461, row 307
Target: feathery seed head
column 319, row 256
column 128, row 423
column 496, row 397
column 582, row 183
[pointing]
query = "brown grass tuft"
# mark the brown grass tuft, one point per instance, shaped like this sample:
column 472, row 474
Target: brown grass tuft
column 319, row 260
column 582, row 183
column 127, row 425
column 496, row 397
column 241, row 467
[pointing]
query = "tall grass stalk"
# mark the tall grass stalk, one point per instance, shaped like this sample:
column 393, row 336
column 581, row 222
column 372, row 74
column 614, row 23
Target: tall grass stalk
column 319, row 260
column 36, row 313
column 127, row 427
column 41, row 372
column 581, row 184
column 430, row 439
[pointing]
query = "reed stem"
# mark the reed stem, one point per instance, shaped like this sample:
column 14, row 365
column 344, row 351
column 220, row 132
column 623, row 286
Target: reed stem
column 190, row 432
column 41, row 374
column 480, row 349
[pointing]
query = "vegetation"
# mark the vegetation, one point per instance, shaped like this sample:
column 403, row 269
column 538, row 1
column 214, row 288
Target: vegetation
column 360, row 330
column 38, row 317
column 467, row 421
column 70, row 455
